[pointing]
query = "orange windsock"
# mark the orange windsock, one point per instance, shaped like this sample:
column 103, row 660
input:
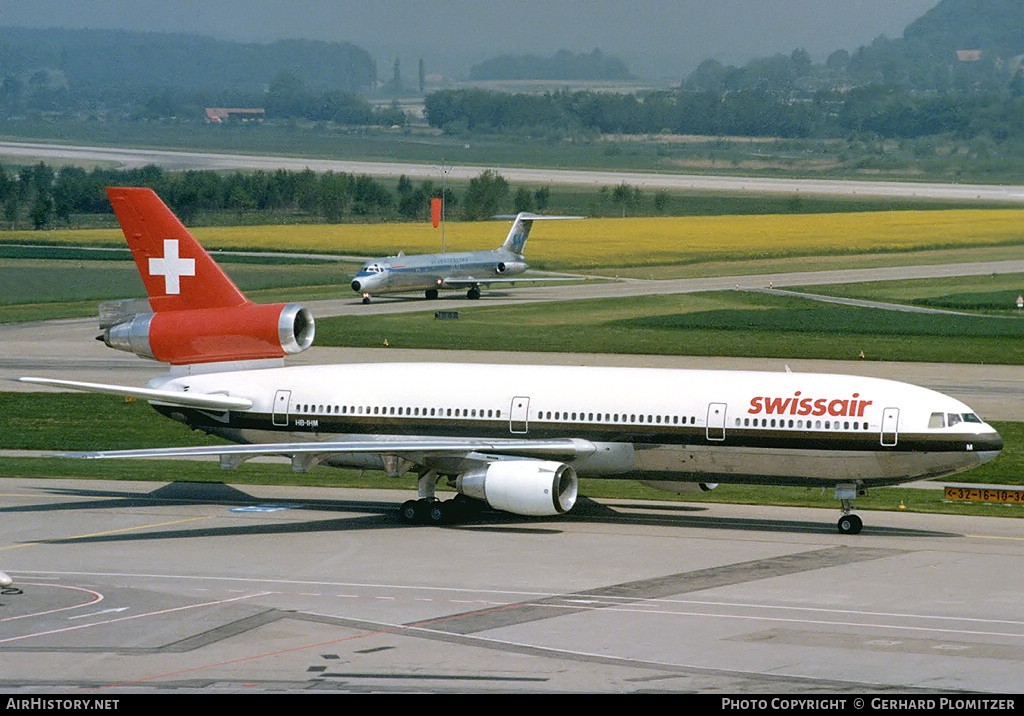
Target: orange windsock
column 435, row 211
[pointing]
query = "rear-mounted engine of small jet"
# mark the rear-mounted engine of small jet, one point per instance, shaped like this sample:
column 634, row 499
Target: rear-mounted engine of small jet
column 512, row 267
column 250, row 331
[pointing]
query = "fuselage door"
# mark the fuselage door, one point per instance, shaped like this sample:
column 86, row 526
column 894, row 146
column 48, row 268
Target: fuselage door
column 890, row 425
column 281, row 400
column 716, row 421
column 519, row 415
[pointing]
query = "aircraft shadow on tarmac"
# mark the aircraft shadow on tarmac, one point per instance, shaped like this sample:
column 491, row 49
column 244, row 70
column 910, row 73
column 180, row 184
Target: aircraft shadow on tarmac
column 385, row 299
column 371, row 514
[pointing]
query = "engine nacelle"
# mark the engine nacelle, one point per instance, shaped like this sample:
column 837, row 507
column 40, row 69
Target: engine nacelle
column 680, row 488
column 510, row 267
column 250, row 331
column 533, row 488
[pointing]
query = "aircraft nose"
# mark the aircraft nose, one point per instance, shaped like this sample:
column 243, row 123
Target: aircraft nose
column 989, row 442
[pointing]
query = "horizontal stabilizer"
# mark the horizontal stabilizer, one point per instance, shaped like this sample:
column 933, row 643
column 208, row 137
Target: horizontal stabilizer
column 207, row 401
column 517, row 235
column 534, row 217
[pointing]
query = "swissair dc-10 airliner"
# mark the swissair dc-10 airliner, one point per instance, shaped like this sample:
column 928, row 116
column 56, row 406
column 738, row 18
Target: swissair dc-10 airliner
column 513, row 437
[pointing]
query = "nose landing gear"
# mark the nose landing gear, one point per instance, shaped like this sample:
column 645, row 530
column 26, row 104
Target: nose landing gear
column 849, row 523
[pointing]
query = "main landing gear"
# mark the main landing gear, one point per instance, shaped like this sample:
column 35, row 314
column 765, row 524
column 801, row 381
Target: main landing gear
column 473, row 293
column 432, row 511
column 849, row 523
column 431, row 294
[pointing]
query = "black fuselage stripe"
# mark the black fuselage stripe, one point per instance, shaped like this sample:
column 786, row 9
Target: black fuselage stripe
column 637, row 434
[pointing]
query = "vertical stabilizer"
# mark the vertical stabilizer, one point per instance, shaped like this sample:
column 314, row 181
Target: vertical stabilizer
column 516, row 239
column 176, row 270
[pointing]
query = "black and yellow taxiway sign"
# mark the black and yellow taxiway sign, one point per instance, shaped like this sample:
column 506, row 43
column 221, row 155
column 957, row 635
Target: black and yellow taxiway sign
column 984, row 494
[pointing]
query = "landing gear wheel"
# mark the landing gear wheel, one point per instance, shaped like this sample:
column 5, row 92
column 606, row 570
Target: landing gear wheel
column 850, row 524
column 410, row 512
column 473, row 293
column 430, row 511
column 438, row 513
column 366, row 299
column 431, row 294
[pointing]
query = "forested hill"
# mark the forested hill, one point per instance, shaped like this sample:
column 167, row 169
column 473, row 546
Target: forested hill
column 993, row 26
column 94, row 63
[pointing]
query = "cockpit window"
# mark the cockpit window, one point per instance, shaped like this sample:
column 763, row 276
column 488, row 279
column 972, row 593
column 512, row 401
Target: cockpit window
column 953, row 419
column 971, row 418
column 937, row 420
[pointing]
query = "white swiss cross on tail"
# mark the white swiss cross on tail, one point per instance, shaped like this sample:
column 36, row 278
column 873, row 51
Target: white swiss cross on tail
column 171, row 267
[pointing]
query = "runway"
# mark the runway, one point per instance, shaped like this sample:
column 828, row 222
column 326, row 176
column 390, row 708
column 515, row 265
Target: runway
column 178, row 160
column 133, row 587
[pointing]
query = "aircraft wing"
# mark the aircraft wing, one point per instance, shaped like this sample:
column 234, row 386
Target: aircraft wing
column 467, row 281
column 208, row 401
column 411, row 449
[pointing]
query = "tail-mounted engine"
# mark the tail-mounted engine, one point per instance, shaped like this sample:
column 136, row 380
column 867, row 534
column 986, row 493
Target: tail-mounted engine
column 249, row 331
column 510, row 267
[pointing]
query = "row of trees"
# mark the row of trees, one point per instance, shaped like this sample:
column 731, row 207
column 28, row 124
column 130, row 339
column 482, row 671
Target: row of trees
column 41, row 197
column 113, row 65
column 885, row 111
column 287, row 97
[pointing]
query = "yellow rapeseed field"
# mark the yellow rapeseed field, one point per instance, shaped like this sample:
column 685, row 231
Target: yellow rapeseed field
column 588, row 243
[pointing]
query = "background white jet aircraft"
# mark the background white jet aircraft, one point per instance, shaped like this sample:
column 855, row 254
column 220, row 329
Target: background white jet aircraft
column 513, row 437
column 470, row 270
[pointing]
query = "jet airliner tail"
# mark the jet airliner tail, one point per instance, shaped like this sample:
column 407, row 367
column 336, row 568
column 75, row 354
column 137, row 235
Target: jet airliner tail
column 198, row 316
column 520, row 231
column 176, row 270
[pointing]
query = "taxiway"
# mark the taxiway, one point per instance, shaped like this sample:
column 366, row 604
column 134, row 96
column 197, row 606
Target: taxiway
column 127, row 587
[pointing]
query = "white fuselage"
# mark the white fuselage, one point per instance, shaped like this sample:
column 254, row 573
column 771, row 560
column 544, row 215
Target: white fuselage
column 397, row 274
column 648, row 424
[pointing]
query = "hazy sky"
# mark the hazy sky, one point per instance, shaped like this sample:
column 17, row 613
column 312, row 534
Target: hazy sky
column 655, row 37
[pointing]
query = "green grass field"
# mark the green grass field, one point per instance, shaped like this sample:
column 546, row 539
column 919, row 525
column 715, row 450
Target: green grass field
column 722, row 323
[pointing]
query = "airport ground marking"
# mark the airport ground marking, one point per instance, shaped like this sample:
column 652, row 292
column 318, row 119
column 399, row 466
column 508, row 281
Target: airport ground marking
column 97, row 599
column 133, row 617
column 530, row 597
column 996, row 537
column 61, row 540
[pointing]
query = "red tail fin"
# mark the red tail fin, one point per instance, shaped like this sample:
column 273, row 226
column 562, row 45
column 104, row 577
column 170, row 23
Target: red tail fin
column 177, row 271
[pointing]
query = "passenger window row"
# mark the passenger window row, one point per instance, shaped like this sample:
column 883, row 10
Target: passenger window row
column 312, row 409
column 801, row 424
column 558, row 415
